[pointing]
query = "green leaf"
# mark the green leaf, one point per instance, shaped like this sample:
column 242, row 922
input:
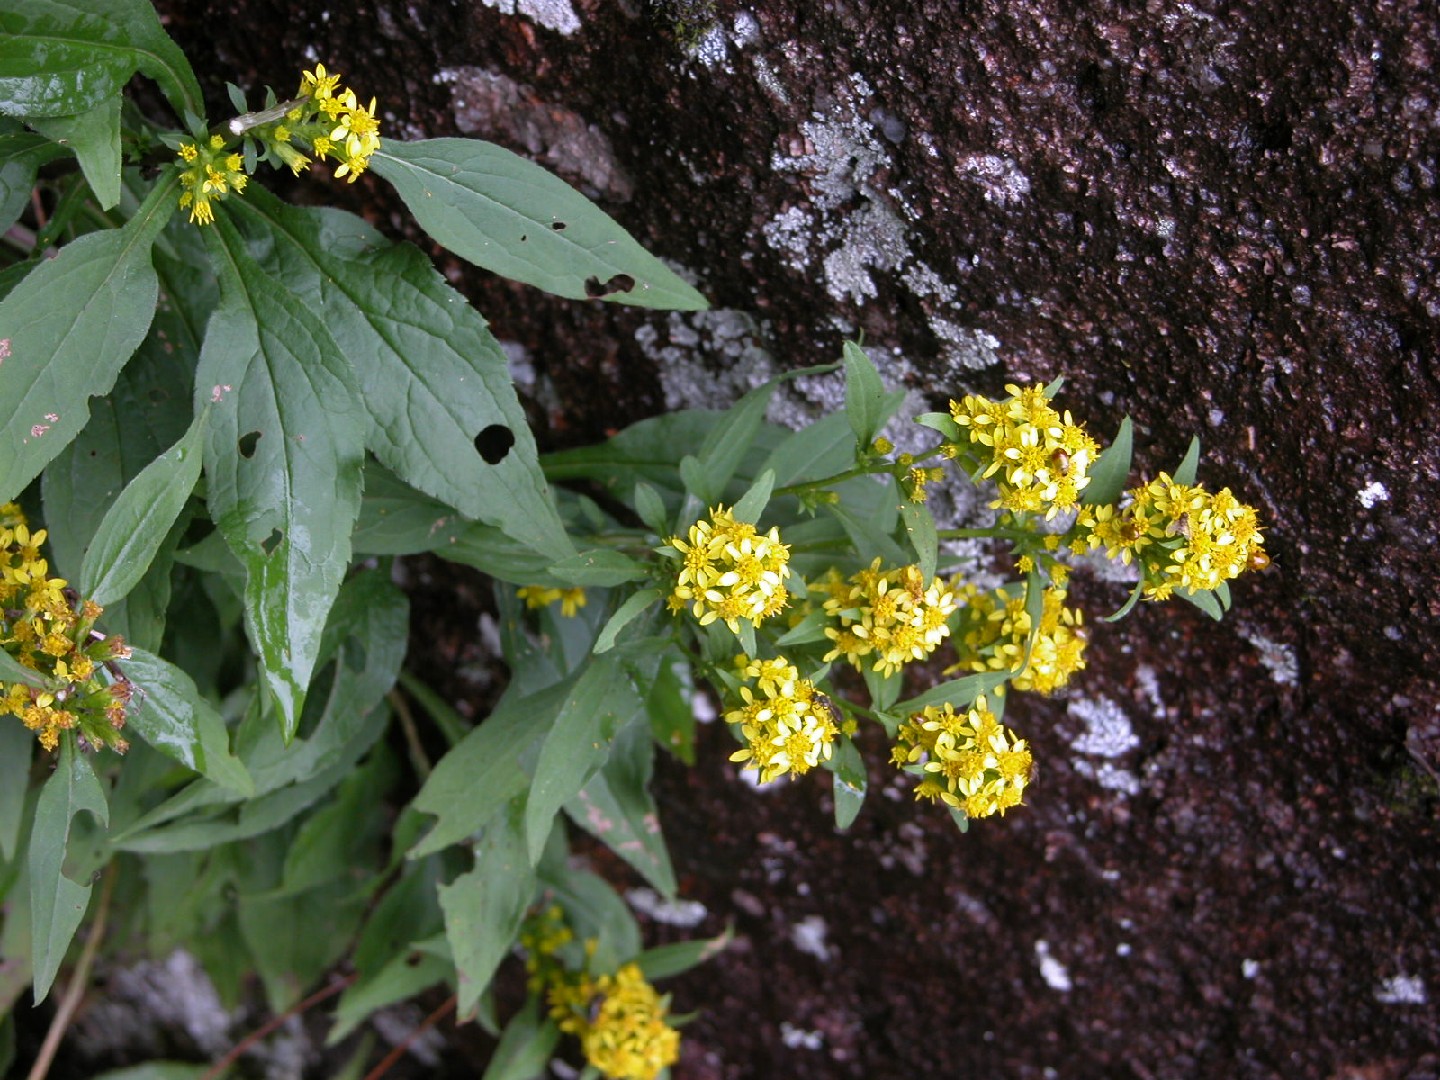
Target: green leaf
column 633, row 606
column 577, row 743
column 94, row 136
column 959, row 693
column 22, row 153
column 57, row 904
column 60, row 354
column 139, row 520
column 667, row 703
column 816, row 451
column 11, row 670
column 1129, row 604
column 294, row 939
column 616, row 807
column 282, row 461
column 867, row 404
column 16, row 746
column 474, row 781
column 1185, row 472
column 944, row 423
column 884, row 689
column 667, row 961
column 177, row 721
column 752, row 504
column 601, row 567
column 920, row 529
column 485, row 907
column 56, row 60
column 509, row 215
column 1111, row 469
column 525, row 1047
column 1205, row 600
column 432, row 377
column 403, row 977
column 725, row 445
column 850, row 784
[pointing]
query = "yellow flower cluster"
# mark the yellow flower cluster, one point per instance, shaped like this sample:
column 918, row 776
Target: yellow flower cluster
column 994, row 629
column 968, row 760
column 538, row 596
column 347, row 131
column 788, row 727
column 892, row 617
column 1040, row 459
column 209, row 175
column 730, row 571
column 1182, row 535
column 622, row 1025
column 41, row 628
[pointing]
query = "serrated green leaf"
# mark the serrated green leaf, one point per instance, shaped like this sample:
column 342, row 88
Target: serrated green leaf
column 1111, row 469
column 432, row 377
column 850, row 783
column 56, row 60
column 282, row 461
column 509, row 215
column 16, row 746
column 57, row 904
column 485, row 907
column 624, row 616
column 1185, row 471
column 94, row 137
column 22, row 153
column 61, row 354
column 139, row 520
column 616, row 807
column 577, row 744
column 176, row 720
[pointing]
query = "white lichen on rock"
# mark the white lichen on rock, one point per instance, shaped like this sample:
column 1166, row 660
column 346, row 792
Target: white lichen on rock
column 557, row 15
column 1108, row 735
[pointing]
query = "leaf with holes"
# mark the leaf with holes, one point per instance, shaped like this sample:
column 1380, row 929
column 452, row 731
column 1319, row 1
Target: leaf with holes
column 57, row 356
column 282, row 460
column 442, row 410
column 509, row 215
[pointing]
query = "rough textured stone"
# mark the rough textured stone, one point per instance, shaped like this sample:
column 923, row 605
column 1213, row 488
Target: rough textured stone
column 1216, row 218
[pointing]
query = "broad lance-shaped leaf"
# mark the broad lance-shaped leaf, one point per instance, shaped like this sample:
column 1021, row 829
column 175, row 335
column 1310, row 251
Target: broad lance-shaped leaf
column 55, row 354
column 432, row 376
column 138, row 522
column 509, row 215
column 282, row 459
column 62, row 57
column 57, row 904
column 94, row 135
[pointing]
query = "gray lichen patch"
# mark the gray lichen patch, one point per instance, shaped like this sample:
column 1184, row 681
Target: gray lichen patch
column 557, row 15
column 494, row 106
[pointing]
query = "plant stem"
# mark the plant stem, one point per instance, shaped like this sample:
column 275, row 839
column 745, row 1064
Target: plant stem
column 233, row 1054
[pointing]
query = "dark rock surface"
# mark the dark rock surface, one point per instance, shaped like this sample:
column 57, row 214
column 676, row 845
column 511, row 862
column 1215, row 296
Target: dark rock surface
column 1218, row 218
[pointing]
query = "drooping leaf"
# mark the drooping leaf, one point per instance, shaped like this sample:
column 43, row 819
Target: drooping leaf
column 16, row 746
column 57, row 904
column 432, row 377
column 94, row 136
column 282, row 460
column 139, row 520
column 59, row 355
column 509, row 215
column 850, row 783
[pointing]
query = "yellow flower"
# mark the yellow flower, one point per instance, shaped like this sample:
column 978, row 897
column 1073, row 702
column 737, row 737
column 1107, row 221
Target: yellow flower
column 892, row 617
column 967, row 760
column 538, row 596
column 623, row 1028
column 730, row 571
column 788, row 728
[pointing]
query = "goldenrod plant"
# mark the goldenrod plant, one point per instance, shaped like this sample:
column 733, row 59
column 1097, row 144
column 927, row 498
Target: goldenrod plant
column 223, row 418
